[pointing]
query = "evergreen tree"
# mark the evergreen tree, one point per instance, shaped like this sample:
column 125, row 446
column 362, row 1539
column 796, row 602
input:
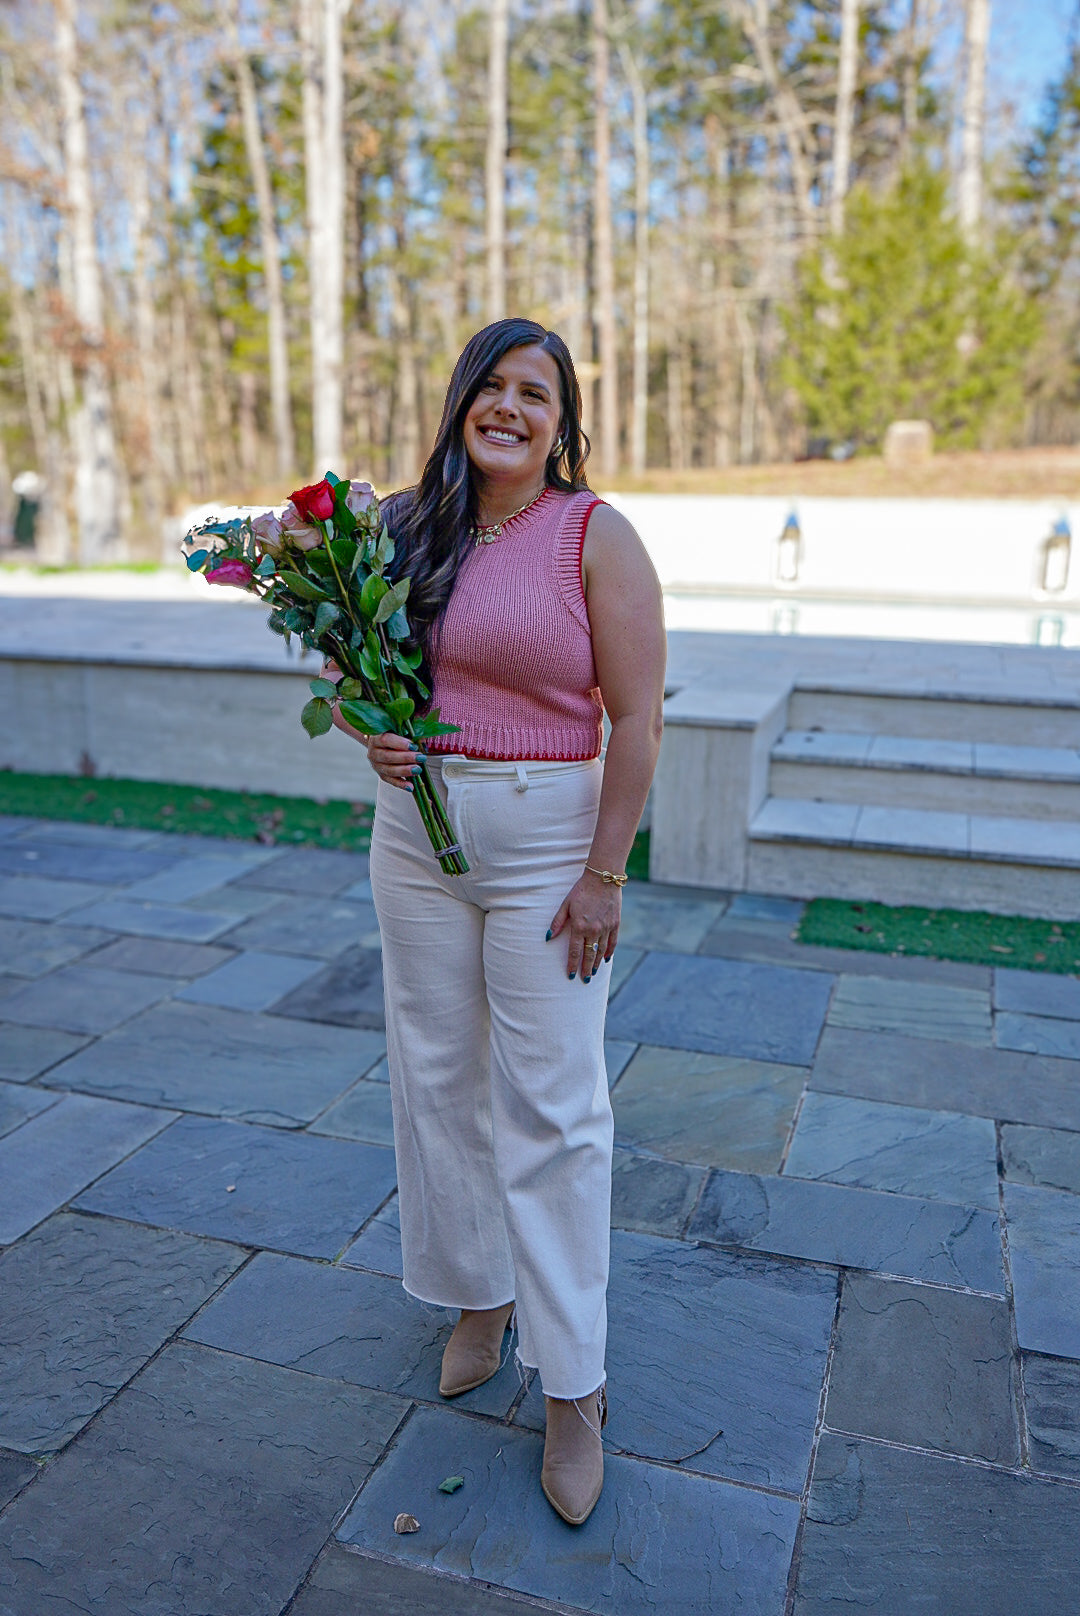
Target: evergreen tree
column 900, row 318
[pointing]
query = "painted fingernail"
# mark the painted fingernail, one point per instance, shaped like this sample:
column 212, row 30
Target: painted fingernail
column 416, row 770
column 547, row 939
column 586, row 978
column 409, row 787
column 572, row 975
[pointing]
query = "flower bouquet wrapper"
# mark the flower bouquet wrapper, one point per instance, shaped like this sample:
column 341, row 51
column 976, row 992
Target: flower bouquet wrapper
column 324, row 567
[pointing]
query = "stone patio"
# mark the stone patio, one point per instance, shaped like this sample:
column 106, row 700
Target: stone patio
column 845, row 1299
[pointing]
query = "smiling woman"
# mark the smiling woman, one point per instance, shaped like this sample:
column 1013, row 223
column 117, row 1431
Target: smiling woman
column 536, row 608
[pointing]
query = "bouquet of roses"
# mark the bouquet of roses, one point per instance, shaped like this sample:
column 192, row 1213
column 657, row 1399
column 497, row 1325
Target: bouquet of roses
column 321, row 566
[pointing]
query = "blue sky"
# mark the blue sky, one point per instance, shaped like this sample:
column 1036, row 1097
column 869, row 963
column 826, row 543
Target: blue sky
column 1028, row 40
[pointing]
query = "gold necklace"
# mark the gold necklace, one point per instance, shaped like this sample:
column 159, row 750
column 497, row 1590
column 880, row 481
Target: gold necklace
column 488, row 532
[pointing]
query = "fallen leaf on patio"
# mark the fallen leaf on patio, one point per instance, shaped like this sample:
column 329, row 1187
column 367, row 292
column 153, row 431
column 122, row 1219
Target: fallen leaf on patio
column 451, row 1484
column 406, row 1523
column 229, row 1188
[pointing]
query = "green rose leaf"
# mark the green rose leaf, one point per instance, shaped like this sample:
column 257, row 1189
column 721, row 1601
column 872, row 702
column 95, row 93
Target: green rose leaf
column 451, row 1484
column 408, row 661
column 370, row 661
column 317, row 716
column 392, row 600
column 402, row 709
column 430, row 725
column 266, row 567
column 296, row 584
column 196, row 559
column 324, row 688
column 344, row 551
column 366, row 717
column 325, row 617
column 397, row 625
column 296, row 619
column 371, row 596
column 384, row 549
column 329, row 477
column 352, row 690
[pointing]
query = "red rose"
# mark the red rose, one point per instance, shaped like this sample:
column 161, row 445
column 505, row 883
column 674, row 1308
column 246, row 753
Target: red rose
column 316, row 501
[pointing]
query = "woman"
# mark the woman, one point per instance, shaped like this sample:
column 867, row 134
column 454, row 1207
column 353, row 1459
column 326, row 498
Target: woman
column 537, row 608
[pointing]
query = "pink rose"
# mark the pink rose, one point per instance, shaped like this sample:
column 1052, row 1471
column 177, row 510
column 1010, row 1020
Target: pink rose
column 295, row 531
column 238, row 573
column 359, row 497
column 267, row 531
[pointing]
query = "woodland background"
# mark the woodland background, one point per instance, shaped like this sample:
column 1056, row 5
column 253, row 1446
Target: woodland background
column 245, row 240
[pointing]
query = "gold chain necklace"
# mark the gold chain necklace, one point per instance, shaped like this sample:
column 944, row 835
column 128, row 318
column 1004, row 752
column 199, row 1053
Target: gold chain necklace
column 488, row 532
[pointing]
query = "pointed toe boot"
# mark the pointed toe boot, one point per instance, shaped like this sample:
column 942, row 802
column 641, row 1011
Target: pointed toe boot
column 474, row 1351
column 573, row 1472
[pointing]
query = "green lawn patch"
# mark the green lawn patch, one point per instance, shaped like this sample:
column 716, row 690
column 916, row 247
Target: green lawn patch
column 946, row 934
column 158, row 805
column 242, row 815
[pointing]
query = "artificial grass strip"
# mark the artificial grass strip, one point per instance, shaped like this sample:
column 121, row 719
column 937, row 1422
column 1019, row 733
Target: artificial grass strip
column 241, row 815
column 159, row 805
column 946, row 934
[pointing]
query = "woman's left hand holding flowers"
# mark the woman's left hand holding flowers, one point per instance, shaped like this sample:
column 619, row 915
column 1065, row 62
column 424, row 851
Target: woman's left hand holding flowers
column 590, row 912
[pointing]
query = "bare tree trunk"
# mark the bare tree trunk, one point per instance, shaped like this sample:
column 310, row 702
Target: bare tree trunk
column 324, row 162
column 676, row 404
column 151, row 462
column 97, row 483
column 749, row 384
column 604, row 248
column 910, row 103
column 640, row 428
column 847, row 74
column 970, row 189
column 753, row 17
column 495, row 169
column 53, row 541
column 270, row 243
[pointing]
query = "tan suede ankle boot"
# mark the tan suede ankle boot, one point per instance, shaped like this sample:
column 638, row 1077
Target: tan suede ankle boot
column 474, row 1352
column 573, row 1473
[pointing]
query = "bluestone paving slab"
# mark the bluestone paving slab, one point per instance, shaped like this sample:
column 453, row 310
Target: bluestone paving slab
column 1052, row 1400
column 359, row 892
column 28, row 897
column 616, row 1057
column 1047, row 1156
column 924, row 1366
column 724, row 1007
column 379, row 1246
column 655, row 1532
column 190, row 877
column 713, row 1109
column 321, row 928
column 1038, row 1035
column 1038, row 993
column 715, row 1360
column 345, row 1325
column 654, row 1197
column 18, row 1102
column 896, row 1531
column 75, row 832
column 652, row 920
column 760, row 906
column 31, row 947
column 84, row 1302
column 938, row 1155
column 915, row 1009
column 1043, row 1227
column 143, row 918
column 26, row 1052
column 209, row 1484
column 624, row 962
column 363, row 1113
column 345, row 1583
column 347, row 993
column 239, row 902
column 15, row 1471
column 156, row 956
column 830, row 1223
column 290, row 1192
column 735, row 937
column 310, row 871
column 54, row 1155
column 16, row 824
column 103, row 864
column 250, row 980
column 223, row 1062
column 84, row 998
column 1000, row 1083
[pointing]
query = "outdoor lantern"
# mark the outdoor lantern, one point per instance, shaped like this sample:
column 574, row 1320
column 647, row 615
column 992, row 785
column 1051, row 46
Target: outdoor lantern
column 789, row 551
column 1053, row 558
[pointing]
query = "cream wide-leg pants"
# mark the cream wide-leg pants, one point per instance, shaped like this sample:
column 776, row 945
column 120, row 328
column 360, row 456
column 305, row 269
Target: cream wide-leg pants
column 502, row 1122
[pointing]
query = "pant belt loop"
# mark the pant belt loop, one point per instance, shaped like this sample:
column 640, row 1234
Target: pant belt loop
column 523, row 778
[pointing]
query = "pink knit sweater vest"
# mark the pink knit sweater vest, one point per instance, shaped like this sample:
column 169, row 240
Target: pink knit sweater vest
column 514, row 667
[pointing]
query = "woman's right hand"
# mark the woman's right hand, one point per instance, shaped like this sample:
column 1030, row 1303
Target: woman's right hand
column 394, row 759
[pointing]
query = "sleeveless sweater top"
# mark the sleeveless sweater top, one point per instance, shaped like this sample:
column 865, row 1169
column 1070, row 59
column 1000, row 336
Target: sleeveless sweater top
column 514, row 661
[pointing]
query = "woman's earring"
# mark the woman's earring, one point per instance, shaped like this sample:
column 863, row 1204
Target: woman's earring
column 557, row 447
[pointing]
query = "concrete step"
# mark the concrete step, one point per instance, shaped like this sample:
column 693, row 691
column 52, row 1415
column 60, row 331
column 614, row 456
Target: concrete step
column 957, row 776
column 916, row 856
column 1053, row 721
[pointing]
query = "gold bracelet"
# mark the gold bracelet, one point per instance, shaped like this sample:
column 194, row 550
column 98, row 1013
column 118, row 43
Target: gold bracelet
column 608, row 877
